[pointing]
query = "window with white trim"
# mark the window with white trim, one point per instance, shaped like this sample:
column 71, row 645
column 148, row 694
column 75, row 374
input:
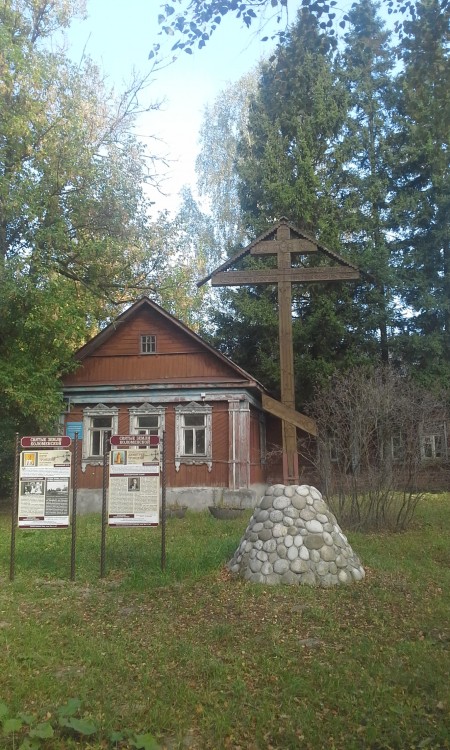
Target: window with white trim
column 148, row 344
column 193, row 439
column 147, row 420
column 99, row 423
column 433, row 442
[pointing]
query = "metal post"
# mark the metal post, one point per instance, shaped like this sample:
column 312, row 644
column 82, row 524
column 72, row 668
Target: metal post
column 14, row 510
column 74, row 506
column 163, row 503
column 104, row 512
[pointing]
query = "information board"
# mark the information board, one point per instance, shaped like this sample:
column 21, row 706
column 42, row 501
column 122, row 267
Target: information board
column 44, row 484
column 134, row 483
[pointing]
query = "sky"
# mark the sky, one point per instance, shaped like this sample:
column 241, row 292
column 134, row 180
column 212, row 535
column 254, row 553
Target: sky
column 119, row 34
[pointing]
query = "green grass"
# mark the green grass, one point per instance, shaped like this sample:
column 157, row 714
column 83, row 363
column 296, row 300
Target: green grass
column 204, row 661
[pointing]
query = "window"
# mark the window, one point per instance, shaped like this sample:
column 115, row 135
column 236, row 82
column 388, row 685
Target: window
column 148, row 344
column 433, row 441
column 397, row 447
column 193, row 435
column 99, row 423
column 147, row 420
column 100, row 432
column 334, row 450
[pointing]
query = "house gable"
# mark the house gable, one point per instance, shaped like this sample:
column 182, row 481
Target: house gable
column 114, row 356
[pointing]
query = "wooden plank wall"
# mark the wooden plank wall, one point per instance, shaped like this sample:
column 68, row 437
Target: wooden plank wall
column 178, row 357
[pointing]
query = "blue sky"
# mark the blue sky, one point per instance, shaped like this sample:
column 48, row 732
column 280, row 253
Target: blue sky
column 119, row 36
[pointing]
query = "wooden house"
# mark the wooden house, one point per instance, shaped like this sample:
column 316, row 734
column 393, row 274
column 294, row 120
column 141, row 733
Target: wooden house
column 148, row 373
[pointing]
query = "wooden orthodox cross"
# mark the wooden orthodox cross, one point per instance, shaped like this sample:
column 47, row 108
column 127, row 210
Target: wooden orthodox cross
column 285, row 241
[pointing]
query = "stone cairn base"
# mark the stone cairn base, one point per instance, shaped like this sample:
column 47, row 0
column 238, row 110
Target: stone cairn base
column 294, row 538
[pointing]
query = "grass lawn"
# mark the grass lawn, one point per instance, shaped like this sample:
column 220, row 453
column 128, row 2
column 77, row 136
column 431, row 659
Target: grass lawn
column 204, row 661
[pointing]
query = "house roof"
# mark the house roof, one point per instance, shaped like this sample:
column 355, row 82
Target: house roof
column 268, row 234
column 146, row 303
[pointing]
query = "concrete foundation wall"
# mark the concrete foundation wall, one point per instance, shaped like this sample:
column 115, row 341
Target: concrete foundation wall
column 195, row 498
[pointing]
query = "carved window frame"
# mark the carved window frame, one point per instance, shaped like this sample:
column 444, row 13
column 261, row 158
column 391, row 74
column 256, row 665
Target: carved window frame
column 89, row 414
column 146, row 409
column 192, row 459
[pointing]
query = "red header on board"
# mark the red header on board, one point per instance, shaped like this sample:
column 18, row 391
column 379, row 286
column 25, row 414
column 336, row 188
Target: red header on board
column 151, row 440
column 49, row 441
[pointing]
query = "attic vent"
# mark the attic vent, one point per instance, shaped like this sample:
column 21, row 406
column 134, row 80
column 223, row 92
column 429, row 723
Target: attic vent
column 148, row 344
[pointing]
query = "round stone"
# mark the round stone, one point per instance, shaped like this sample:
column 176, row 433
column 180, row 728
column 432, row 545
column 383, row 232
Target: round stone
column 281, row 551
column 276, row 516
column 258, row 544
column 315, row 494
column 314, row 555
column 279, row 530
column 343, row 576
column 278, row 490
column 315, row 527
column 298, row 502
column 303, row 553
column 327, row 538
column 257, row 527
column 357, row 574
column 261, row 516
column 292, row 530
column 265, row 534
column 307, row 514
column 320, row 506
column 309, row 500
column 252, row 537
column 322, row 518
column 272, row 579
column 292, row 553
column 333, row 568
column 281, row 502
column 327, row 553
column 303, row 490
column 280, row 566
column 268, row 524
column 289, row 491
column 291, row 512
column 255, row 566
column 341, row 562
column 253, row 553
column 248, row 546
column 298, row 540
column 288, row 540
column 322, row 568
column 299, row 566
column 270, row 545
column 263, row 556
column 266, row 568
column 313, row 541
column 269, row 490
column 266, row 502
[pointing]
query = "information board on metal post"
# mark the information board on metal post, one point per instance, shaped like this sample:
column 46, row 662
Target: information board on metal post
column 44, row 482
column 74, row 508
column 134, row 481
column 12, row 561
